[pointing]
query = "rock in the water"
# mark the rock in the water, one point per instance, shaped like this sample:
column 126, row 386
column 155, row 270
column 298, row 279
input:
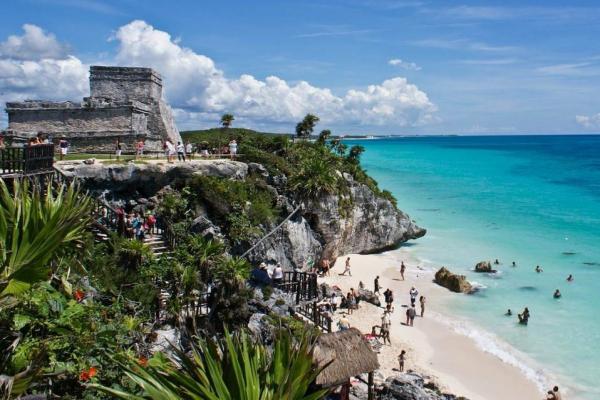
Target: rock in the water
column 369, row 297
column 484, row 266
column 453, row 282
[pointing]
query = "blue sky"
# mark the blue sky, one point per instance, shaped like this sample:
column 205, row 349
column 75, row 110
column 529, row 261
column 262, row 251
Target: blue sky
column 364, row 66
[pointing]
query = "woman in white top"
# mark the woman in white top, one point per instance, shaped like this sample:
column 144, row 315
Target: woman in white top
column 170, row 150
column 233, row 148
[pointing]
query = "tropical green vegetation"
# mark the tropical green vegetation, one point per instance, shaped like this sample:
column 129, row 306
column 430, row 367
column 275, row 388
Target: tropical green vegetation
column 234, row 368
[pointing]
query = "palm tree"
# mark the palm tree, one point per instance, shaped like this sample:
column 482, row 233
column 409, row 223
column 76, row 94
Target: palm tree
column 316, row 175
column 232, row 368
column 34, row 229
column 227, row 120
column 323, row 137
column 355, row 153
column 305, row 127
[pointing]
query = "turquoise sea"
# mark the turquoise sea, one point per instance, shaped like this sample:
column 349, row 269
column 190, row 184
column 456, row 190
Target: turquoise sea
column 534, row 200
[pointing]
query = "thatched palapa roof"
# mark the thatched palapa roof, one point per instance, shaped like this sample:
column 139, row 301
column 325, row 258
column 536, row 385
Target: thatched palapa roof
column 349, row 354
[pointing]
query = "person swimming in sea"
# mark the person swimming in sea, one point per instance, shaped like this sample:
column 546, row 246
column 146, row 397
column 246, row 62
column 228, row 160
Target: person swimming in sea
column 557, row 294
column 570, row 278
column 524, row 316
column 496, row 262
column 538, row 269
column 508, row 313
column 514, row 264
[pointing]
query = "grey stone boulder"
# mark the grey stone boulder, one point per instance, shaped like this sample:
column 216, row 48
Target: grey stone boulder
column 369, row 297
column 453, row 282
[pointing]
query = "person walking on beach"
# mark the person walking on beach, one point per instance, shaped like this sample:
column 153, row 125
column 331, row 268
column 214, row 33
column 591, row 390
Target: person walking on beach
column 401, row 359
column 350, row 302
column 347, row 267
column 422, row 301
column 411, row 313
column 402, row 269
column 413, row 296
column 389, row 296
column 376, row 285
column 386, row 325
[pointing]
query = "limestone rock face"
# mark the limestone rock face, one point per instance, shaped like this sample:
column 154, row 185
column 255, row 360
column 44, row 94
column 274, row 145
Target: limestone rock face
column 363, row 223
column 295, row 244
column 453, row 282
column 149, row 178
column 484, row 266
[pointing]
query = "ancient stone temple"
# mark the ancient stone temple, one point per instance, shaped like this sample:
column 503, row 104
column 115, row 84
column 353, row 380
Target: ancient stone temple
column 125, row 103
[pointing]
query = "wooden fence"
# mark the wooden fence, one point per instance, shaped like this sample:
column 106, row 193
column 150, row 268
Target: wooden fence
column 318, row 318
column 26, row 160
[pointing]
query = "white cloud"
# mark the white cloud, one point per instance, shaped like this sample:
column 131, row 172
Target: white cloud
column 36, row 66
column 411, row 66
column 199, row 91
column 592, row 121
column 34, row 44
column 195, row 84
column 571, row 69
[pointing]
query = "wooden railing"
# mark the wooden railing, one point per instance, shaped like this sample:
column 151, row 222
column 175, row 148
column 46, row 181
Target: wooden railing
column 312, row 312
column 26, row 160
column 302, row 284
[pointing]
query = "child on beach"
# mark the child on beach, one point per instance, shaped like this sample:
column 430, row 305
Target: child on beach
column 401, row 359
column 422, row 301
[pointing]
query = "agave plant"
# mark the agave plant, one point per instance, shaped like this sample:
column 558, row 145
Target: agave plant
column 35, row 227
column 233, row 368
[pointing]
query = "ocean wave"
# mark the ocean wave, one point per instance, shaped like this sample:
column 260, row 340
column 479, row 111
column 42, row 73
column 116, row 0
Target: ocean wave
column 492, row 344
column 478, row 286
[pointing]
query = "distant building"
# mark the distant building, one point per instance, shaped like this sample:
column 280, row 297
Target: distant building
column 125, row 103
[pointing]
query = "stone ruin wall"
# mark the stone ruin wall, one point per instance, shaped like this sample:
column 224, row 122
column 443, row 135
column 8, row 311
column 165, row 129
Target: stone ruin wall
column 125, row 103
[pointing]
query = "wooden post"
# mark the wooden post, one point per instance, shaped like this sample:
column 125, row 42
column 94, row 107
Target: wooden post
column 370, row 386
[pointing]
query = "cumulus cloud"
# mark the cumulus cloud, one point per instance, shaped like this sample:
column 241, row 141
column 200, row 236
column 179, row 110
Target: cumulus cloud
column 34, row 44
column 199, row 91
column 411, row 66
column 36, row 66
column 195, row 84
column 589, row 121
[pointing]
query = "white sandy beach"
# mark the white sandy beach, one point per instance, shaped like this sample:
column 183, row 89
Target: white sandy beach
column 452, row 360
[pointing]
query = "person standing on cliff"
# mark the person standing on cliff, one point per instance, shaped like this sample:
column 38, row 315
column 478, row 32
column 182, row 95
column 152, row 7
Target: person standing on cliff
column 118, row 149
column 233, row 148
column 376, row 285
column 139, row 149
column 63, row 145
column 402, row 269
column 347, row 268
column 180, row 151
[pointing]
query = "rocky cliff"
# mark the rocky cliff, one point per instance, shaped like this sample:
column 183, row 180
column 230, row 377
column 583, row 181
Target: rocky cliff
column 325, row 227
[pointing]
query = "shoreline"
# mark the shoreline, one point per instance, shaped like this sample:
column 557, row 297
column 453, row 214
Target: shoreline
column 435, row 348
